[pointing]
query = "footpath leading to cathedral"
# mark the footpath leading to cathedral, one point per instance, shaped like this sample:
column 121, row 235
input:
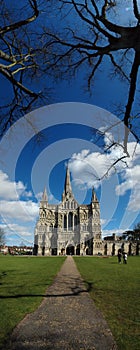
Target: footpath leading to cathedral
column 67, row 319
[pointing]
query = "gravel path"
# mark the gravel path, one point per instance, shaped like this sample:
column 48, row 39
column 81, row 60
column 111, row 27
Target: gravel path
column 67, row 319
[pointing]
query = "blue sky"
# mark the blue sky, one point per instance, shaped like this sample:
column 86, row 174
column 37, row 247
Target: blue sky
column 68, row 135
column 36, row 149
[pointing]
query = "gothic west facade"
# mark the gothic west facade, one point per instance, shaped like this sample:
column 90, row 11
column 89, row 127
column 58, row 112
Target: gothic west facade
column 71, row 228
column 68, row 228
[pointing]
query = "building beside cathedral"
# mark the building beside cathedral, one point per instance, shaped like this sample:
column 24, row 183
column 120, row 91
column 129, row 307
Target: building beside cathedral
column 70, row 228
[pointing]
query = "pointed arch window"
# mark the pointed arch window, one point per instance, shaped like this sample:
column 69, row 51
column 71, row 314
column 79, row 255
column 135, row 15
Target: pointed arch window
column 65, row 222
column 75, row 222
column 70, row 221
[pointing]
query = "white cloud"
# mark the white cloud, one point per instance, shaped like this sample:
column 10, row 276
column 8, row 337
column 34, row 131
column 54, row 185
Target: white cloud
column 17, row 215
column 27, row 194
column 88, row 168
column 117, row 232
column 11, row 206
column 21, row 230
column 39, row 196
column 131, row 182
column 103, row 221
column 51, row 197
column 19, row 210
column 134, row 204
column 17, row 232
column 8, row 189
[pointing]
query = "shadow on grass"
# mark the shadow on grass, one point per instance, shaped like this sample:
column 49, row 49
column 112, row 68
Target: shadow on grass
column 73, row 290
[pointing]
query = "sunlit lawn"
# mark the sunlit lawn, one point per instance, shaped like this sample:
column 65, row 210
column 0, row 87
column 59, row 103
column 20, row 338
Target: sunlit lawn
column 116, row 292
column 23, row 282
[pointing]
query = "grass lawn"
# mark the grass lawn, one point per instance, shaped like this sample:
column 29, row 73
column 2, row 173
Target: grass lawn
column 115, row 289
column 23, row 282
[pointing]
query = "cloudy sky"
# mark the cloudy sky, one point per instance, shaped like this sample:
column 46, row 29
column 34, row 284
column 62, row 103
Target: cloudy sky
column 77, row 129
column 71, row 133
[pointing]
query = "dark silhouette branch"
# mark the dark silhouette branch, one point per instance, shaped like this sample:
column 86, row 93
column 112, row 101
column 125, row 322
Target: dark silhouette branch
column 94, row 70
column 14, row 82
column 133, row 80
column 19, row 24
column 19, row 63
column 105, row 39
column 112, row 166
column 136, row 11
column 66, row 50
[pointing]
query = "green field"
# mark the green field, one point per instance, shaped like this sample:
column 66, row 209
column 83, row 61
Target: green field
column 115, row 290
column 23, row 282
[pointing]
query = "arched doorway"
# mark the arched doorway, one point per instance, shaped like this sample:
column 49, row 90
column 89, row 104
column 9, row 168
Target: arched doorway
column 63, row 251
column 54, row 251
column 89, row 246
column 87, row 251
column 70, row 250
column 78, row 249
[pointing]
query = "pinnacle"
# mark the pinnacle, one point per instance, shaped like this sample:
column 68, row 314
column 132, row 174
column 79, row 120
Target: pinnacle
column 44, row 196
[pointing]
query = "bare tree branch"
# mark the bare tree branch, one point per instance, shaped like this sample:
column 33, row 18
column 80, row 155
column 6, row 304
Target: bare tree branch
column 14, row 82
column 133, row 79
column 102, row 38
column 136, row 11
column 112, row 166
column 26, row 54
column 19, row 24
column 19, row 60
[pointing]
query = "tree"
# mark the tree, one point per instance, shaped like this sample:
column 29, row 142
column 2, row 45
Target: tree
column 98, row 37
column 88, row 35
column 21, row 58
column 137, row 231
column 132, row 235
column 2, row 236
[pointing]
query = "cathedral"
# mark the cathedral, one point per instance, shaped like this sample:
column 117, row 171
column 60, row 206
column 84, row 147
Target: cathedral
column 68, row 228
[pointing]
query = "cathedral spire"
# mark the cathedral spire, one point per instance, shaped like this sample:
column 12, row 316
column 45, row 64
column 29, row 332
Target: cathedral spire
column 67, row 188
column 44, row 196
column 94, row 197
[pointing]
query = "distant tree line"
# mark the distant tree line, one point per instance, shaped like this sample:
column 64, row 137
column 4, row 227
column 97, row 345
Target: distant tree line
column 129, row 235
column 132, row 235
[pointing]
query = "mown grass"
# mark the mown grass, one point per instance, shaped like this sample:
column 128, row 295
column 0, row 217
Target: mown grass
column 23, row 282
column 115, row 289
